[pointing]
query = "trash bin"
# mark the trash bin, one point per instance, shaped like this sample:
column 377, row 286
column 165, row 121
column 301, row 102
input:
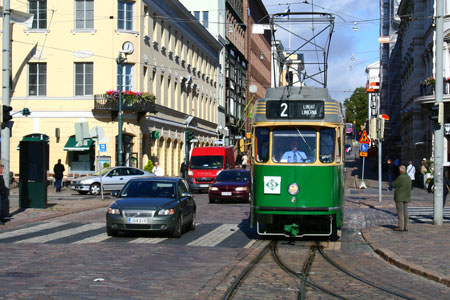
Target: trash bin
column 34, row 157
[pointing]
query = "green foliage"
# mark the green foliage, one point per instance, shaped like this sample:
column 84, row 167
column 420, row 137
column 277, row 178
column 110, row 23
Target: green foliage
column 149, row 166
column 356, row 107
column 105, row 165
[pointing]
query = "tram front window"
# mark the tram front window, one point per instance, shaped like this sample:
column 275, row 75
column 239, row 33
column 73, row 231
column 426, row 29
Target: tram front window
column 296, row 145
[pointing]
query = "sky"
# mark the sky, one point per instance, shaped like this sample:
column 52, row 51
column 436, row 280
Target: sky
column 351, row 51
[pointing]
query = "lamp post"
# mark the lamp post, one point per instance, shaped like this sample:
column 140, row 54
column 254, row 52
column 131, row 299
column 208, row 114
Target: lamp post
column 120, row 59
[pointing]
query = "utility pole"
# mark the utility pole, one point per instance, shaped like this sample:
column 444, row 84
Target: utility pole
column 6, row 133
column 120, row 61
column 439, row 131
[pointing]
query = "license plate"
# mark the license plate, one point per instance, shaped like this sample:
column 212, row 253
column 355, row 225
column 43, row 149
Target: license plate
column 137, row 220
column 204, row 185
column 226, row 193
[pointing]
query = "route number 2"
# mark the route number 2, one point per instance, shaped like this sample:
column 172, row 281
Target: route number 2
column 284, row 108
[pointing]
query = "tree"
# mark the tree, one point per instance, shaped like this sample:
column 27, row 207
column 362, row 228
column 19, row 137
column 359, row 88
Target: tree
column 149, row 166
column 356, row 107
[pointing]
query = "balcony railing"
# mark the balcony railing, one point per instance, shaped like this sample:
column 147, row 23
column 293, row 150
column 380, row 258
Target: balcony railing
column 104, row 103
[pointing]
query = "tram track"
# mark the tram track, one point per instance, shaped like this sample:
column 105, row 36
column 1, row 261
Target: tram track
column 302, row 278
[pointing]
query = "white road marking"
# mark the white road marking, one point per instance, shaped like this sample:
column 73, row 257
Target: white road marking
column 93, row 239
column 36, row 228
column 63, row 233
column 216, row 236
column 148, row 240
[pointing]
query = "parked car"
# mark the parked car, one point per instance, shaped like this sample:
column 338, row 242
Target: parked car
column 113, row 179
column 231, row 184
column 162, row 204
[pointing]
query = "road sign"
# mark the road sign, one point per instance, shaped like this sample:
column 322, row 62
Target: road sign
column 363, row 147
column 364, row 138
column 363, row 154
column 102, row 147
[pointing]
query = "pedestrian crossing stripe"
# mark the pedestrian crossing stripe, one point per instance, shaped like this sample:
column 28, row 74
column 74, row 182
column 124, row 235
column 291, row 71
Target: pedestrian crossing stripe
column 206, row 235
column 426, row 214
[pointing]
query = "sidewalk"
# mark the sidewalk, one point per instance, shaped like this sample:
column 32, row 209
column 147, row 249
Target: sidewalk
column 424, row 249
column 58, row 204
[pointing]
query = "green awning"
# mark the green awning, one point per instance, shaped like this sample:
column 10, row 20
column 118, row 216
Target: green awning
column 73, row 145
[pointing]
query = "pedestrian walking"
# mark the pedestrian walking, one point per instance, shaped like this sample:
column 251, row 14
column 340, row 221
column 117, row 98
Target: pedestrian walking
column 390, row 173
column 4, row 197
column 244, row 161
column 183, row 169
column 239, row 159
column 58, row 169
column 402, row 196
column 423, row 171
column 157, row 170
column 411, row 171
column 445, row 189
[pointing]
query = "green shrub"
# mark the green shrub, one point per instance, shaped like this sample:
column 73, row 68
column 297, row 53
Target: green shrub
column 149, row 166
column 105, row 165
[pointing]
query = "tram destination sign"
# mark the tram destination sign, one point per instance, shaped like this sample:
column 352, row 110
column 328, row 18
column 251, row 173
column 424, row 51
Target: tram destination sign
column 305, row 110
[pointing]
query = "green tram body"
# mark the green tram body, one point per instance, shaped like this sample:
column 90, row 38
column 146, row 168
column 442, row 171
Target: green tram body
column 317, row 208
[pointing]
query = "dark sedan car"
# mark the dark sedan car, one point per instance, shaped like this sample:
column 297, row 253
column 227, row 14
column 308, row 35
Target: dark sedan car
column 162, row 204
column 231, row 184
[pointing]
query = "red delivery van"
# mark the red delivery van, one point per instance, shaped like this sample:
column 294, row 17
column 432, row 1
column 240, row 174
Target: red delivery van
column 206, row 163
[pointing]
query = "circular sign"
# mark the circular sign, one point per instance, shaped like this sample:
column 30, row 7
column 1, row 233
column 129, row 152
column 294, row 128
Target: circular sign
column 253, row 88
column 97, row 132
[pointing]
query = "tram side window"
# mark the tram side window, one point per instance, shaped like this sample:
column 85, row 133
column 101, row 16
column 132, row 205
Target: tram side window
column 262, row 144
column 294, row 145
column 327, row 141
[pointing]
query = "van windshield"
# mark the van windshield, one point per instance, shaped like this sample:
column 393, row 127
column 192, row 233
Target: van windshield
column 206, row 162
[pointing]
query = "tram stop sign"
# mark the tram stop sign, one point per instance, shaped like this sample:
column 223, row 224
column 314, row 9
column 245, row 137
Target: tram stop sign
column 364, row 138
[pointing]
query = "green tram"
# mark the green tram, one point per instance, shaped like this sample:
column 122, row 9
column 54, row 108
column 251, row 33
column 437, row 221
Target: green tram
column 298, row 163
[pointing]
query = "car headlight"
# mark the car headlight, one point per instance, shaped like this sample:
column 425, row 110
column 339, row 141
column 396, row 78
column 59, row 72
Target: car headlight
column 166, row 212
column 113, row 211
column 190, row 173
column 213, row 188
column 241, row 188
column 293, row 189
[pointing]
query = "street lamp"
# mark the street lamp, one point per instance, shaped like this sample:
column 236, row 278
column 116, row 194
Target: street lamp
column 120, row 60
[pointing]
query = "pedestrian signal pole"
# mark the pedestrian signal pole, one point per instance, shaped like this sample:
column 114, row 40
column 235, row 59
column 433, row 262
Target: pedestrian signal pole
column 439, row 131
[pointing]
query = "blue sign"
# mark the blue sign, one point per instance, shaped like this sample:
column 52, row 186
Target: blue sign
column 363, row 147
column 102, row 147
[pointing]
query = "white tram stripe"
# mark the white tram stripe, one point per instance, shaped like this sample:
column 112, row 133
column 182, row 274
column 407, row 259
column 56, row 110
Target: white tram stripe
column 216, row 236
column 62, row 234
column 148, row 240
column 32, row 229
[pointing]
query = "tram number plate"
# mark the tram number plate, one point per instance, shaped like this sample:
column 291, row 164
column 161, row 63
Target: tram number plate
column 137, row 220
column 204, row 185
column 226, row 193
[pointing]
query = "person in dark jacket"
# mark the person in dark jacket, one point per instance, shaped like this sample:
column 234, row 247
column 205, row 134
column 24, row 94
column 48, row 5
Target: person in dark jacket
column 4, row 197
column 402, row 196
column 58, row 169
column 239, row 159
column 183, row 169
column 390, row 173
column 445, row 190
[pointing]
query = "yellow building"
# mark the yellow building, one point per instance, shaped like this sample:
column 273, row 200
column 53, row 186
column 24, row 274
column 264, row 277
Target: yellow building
column 64, row 65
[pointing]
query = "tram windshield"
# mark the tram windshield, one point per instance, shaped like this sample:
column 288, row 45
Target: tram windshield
column 295, row 145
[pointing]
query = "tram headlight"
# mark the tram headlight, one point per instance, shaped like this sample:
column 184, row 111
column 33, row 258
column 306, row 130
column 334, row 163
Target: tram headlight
column 293, row 189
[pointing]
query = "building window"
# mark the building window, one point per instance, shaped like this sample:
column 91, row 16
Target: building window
column 39, row 9
column 205, row 20
column 125, row 78
column 125, row 15
column 197, row 15
column 37, row 79
column 84, row 79
column 84, row 14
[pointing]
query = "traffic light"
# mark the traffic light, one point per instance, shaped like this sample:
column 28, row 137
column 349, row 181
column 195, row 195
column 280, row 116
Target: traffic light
column 373, row 129
column 6, row 114
column 382, row 120
column 241, row 145
column 434, row 114
column 190, row 135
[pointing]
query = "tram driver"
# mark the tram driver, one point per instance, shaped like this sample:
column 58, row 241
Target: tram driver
column 294, row 155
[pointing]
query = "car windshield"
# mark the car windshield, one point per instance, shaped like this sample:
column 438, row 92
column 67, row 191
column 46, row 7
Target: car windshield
column 103, row 171
column 206, row 162
column 149, row 189
column 233, row 176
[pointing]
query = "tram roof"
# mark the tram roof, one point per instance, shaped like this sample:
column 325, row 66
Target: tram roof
column 332, row 109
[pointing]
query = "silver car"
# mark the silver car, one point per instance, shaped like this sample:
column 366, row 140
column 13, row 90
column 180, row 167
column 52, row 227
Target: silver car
column 113, row 179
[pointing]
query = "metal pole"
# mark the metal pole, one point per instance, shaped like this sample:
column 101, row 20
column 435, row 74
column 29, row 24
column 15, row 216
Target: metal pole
column 120, row 120
column 380, row 148
column 439, row 131
column 6, row 133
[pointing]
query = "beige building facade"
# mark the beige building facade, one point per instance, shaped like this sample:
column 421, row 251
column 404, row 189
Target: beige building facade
column 68, row 67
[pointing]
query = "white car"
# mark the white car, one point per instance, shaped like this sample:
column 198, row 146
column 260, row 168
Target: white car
column 113, row 179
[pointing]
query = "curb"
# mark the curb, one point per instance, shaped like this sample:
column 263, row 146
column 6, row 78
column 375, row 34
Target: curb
column 403, row 264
